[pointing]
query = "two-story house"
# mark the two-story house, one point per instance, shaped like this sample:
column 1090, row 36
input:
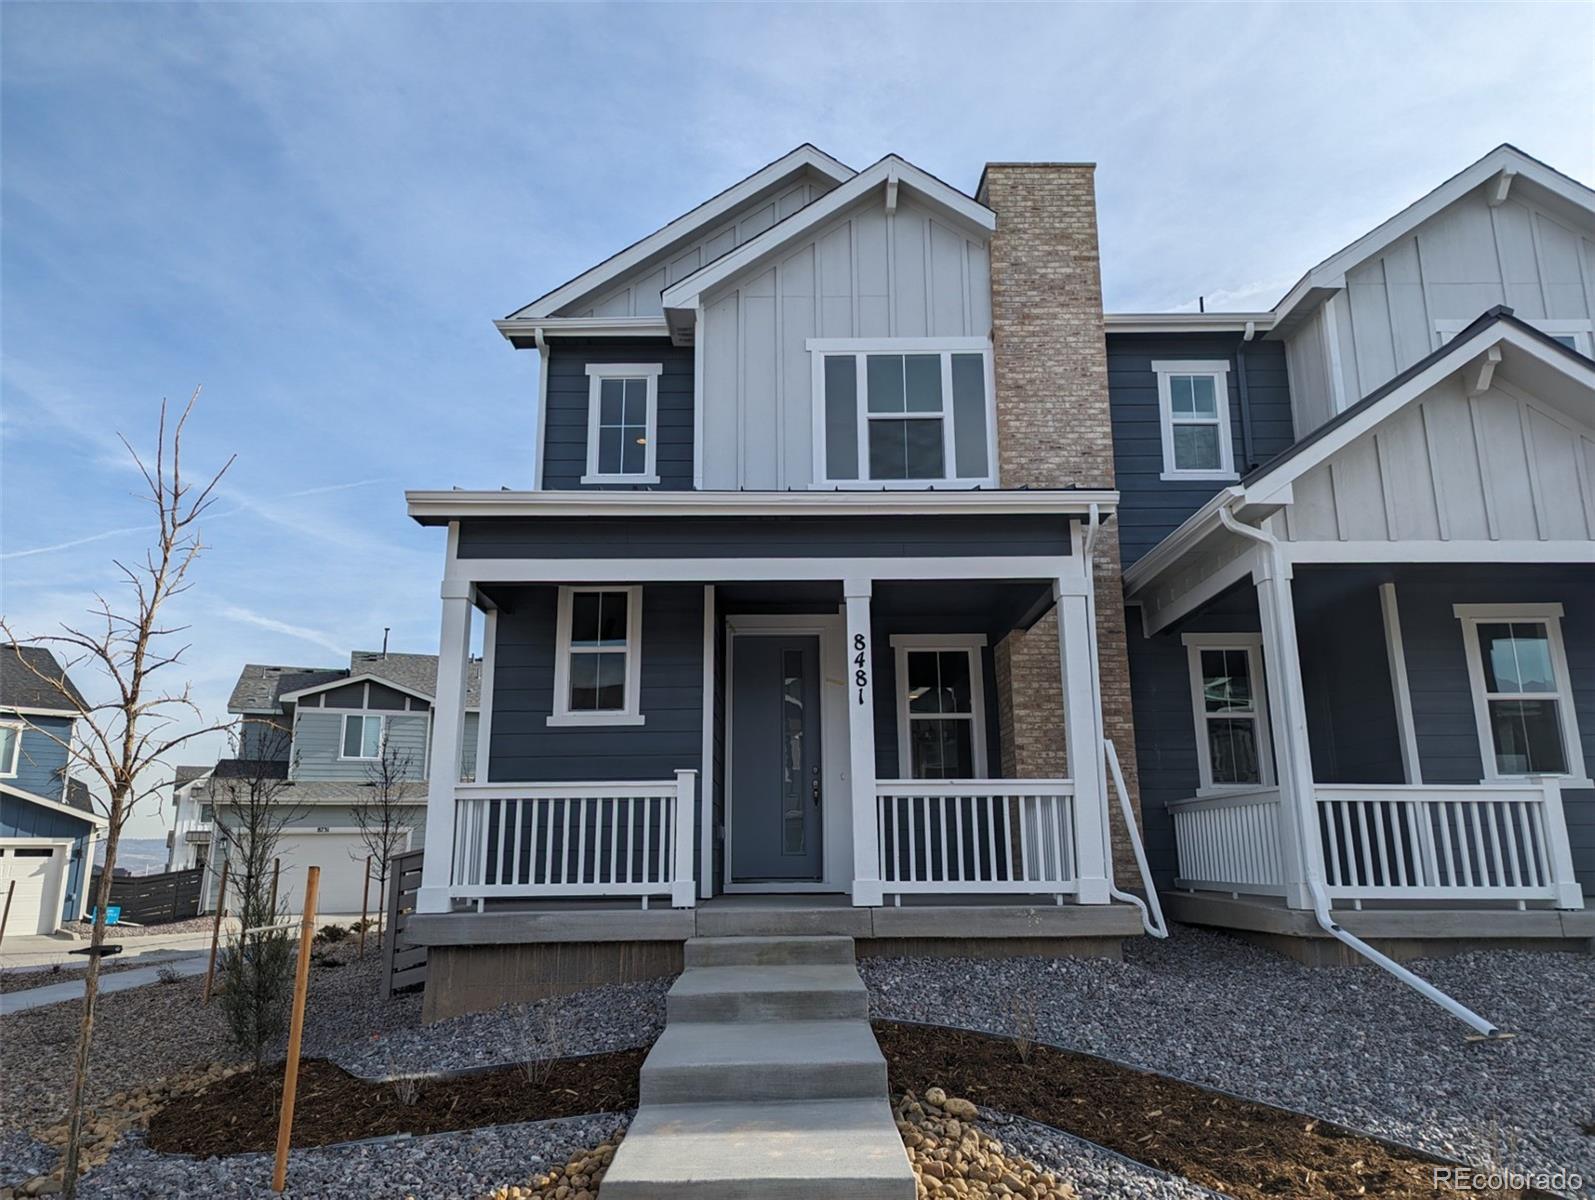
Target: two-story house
column 48, row 824
column 800, row 621
column 312, row 742
column 1359, row 539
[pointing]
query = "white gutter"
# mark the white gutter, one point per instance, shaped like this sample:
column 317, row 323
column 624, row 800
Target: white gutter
column 1312, row 868
column 1152, row 922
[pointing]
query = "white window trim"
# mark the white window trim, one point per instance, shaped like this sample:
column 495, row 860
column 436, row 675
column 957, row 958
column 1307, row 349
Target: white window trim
column 1549, row 615
column 1252, row 644
column 631, row 714
column 343, row 736
column 971, row 644
column 596, row 374
column 1218, row 370
column 859, row 347
column 9, row 770
column 1581, row 328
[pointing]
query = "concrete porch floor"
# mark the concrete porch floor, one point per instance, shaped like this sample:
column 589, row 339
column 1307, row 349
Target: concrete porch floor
column 1401, row 930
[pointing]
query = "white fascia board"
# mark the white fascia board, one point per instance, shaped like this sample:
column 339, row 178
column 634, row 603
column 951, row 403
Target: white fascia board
column 685, row 294
column 93, row 818
column 685, row 226
column 1185, row 322
column 27, row 711
column 364, row 677
column 463, row 505
column 551, row 327
column 1331, row 273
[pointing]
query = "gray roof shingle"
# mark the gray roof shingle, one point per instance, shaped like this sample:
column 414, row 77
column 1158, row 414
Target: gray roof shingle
column 259, row 686
column 31, row 677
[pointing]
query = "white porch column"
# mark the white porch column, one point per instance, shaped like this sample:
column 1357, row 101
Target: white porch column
column 1287, row 713
column 861, row 743
column 1082, row 730
column 448, row 729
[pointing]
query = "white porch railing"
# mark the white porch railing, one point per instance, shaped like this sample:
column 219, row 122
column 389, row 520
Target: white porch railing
column 976, row 835
column 575, row 839
column 1231, row 842
column 1491, row 841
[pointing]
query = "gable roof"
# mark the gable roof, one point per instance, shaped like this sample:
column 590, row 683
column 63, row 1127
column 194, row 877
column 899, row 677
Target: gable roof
column 78, row 803
column 891, row 173
column 263, row 689
column 31, row 677
column 1504, row 167
column 806, row 157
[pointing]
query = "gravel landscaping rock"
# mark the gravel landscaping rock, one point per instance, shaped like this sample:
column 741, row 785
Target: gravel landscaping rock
column 128, row 930
column 443, row 1166
column 616, row 1017
column 1350, row 1044
column 1095, row 1172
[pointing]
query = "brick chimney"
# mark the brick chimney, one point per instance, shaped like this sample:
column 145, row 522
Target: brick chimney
column 1054, row 431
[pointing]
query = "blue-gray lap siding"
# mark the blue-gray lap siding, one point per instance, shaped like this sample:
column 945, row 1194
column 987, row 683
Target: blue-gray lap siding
column 22, row 819
column 41, row 760
column 565, row 426
column 1150, row 507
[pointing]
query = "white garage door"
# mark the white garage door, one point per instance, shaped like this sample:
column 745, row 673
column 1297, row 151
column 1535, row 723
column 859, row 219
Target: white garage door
column 342, row 859
column 36, row 899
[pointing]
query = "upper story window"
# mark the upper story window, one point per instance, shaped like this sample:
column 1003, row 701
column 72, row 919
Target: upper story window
column 1193, row 404
column 903, row 412
column 10, row 748
column 622, row 417
column 1233, row 746
column 363, row 735
column 1522, row 699
column 1575, row 335
column 598, row 657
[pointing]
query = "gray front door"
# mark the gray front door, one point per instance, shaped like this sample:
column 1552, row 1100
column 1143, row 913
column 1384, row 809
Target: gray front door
column 775, row 760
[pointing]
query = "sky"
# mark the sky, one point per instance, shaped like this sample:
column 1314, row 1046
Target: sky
column 314, row 212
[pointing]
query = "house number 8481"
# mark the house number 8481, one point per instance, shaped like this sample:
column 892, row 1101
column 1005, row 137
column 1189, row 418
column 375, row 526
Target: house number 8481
column 860, row 664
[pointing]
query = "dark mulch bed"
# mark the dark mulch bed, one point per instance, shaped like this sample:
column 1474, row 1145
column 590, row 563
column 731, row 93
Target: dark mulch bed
column 1244, row 1149
column 239, row 1114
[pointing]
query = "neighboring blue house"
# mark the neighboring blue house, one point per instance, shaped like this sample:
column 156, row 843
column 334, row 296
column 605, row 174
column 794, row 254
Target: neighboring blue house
column 47, row 820
column 1358, row 534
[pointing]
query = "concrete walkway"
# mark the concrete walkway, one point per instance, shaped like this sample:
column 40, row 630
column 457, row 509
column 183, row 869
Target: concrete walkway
column 71, row 989
column 767, row 1083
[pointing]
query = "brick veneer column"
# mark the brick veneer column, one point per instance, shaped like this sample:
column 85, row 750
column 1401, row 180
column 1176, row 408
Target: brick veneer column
column 1054, row 430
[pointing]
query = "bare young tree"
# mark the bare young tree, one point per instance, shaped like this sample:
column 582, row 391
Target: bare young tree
column 122, row 741
column 387, row 811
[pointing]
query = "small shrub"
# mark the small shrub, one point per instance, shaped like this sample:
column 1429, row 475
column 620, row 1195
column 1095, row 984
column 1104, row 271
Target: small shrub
column 331, row 935
column 542, row 1040
column 167, row 973
column 257, row 983
column 1022, row 1008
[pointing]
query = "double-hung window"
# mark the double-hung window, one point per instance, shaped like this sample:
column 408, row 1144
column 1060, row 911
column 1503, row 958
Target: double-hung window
column 903, row 412
column 1193, row 405
column 1522, row 701
column 362, row 735
column 1233, row 749
column 598, row 652
column 622, row 420
column 940, row 707
column 10, row 748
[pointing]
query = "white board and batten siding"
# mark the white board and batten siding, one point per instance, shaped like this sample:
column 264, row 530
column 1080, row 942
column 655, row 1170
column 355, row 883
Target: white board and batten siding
column 868, row 274
column 1462, row 261
column 638, row 295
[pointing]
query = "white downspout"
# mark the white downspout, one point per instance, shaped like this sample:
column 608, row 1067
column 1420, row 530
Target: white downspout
column 1152, row 922
column 1312, row 867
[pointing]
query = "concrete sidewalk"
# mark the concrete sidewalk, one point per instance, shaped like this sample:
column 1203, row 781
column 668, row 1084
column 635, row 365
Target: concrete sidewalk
column 68, row 990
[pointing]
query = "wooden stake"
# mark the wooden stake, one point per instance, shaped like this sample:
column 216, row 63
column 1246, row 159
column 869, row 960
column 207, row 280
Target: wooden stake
column 276, row 870
column 296, row 1030
column 215, row 934
column 365, row 907
column 6, row 915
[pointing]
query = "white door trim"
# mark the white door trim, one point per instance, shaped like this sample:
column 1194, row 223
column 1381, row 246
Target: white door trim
column 836, row 805
column 54, row 894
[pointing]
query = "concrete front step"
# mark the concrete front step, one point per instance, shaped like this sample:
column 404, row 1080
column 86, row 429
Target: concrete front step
column 816, row 1150
column 767, row 951
column 828, row 992
column 770, row 921
column 712, row 1062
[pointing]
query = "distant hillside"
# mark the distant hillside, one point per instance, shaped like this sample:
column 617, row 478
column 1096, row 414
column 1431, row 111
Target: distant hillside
column 141, row 856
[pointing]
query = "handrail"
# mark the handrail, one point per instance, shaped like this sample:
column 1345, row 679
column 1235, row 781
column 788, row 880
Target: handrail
column 1153, row 923
column 974, row 787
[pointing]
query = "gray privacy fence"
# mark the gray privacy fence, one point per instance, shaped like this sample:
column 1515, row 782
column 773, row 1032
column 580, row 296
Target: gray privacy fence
column 153, row 899
column 404, row 965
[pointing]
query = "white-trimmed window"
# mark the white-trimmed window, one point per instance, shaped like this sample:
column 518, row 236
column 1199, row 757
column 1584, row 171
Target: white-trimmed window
column 1230, row 705
column 941, row 708
column 363, row 735
column 622, row 420
column 1574, row 334
column 1193, row 407
column 598, row 656
column 903, row 412
column 1522, row 695
column 10, row 748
